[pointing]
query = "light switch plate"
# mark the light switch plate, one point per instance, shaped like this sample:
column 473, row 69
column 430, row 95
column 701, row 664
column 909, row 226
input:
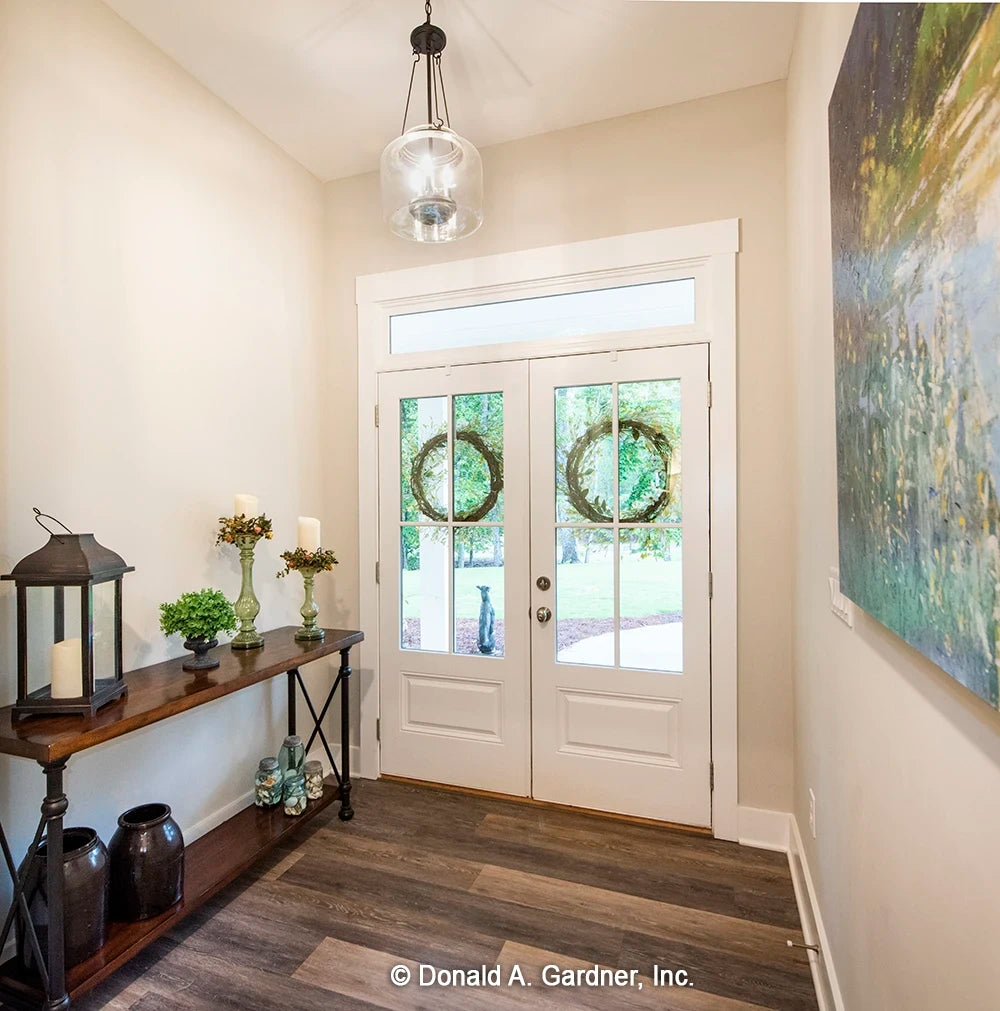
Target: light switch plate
column 839, row 604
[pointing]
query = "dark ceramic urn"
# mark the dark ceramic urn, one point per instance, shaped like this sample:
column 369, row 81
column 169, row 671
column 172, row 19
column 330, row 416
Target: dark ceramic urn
column 201, row 660
column 85, row 899
column 147, row 863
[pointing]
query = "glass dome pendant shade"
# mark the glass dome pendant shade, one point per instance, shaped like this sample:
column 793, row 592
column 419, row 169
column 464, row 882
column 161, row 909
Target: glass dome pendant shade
column 432, row 179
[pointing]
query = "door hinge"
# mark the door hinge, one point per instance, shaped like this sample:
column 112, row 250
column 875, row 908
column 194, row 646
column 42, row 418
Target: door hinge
column 711, row 775
column 376, row 415
column 709, row 394
column 711, row 586
column 378, row 728
column 376, row 573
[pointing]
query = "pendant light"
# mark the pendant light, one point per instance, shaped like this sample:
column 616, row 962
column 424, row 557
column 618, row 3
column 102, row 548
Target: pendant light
column 432, row 179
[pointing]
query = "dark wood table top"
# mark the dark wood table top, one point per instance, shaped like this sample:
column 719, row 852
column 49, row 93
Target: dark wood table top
column 163, row 690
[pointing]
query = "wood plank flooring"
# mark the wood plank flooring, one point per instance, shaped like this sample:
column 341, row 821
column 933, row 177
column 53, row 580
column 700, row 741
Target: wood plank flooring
column 427, row 875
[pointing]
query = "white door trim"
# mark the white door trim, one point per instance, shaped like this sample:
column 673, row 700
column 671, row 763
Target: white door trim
column 706, row 252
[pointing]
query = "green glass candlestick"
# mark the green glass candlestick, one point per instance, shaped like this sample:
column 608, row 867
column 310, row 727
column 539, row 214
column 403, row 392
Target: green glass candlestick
column 309, row 630
column 247, row 606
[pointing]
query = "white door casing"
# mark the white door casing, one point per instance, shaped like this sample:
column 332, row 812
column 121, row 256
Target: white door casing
column 451, row 717
column 607, row 734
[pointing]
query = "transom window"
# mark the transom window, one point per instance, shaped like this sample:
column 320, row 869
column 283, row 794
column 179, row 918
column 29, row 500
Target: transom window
column 548, row 317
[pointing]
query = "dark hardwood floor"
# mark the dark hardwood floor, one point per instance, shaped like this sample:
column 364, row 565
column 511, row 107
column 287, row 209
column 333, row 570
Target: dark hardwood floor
column 427, row 875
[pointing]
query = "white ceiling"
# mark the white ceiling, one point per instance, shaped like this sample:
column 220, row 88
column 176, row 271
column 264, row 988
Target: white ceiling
column 326, row 79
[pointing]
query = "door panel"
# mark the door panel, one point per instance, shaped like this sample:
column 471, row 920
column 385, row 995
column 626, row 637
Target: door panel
column 453, row 560
column 619, row 525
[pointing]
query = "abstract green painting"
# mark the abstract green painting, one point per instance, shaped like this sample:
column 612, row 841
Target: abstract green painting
column 915, row 188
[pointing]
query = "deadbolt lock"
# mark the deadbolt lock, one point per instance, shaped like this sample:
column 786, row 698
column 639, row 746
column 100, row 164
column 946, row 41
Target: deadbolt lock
column 543, row 582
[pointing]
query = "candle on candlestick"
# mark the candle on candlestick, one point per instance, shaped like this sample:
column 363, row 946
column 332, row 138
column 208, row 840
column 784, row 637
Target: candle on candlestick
column 245, row 505
column 67, row 669
column 309, row 533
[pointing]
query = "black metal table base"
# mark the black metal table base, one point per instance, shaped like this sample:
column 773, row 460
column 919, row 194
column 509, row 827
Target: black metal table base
column 342, row 681
column 51, row 969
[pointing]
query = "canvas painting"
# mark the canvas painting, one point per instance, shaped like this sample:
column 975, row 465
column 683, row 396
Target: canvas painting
column 915, row 189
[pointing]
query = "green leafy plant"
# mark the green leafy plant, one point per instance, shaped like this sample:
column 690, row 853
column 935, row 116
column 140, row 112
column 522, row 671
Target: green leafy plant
column 198, row 615
column 322, row 560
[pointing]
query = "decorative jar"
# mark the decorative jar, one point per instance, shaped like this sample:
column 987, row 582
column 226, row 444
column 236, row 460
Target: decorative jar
column 147, row 863
column 313, row 772
column 267, row 783
column 294, row 792
column 85, row 898
column 292, row 755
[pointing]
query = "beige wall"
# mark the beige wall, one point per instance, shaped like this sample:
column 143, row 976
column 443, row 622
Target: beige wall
column 715, row 158
column 905, row 763
column 160, row 315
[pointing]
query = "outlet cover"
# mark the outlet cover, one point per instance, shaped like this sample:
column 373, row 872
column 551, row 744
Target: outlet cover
column 812, row 813
column 839, row 604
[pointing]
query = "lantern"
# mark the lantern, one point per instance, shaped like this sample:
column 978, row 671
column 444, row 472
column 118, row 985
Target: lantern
column 83, row 671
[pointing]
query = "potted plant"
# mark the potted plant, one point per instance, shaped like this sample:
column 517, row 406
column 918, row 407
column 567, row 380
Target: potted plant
column 199, row 617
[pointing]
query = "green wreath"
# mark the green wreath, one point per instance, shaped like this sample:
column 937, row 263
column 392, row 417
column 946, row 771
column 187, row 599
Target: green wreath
column 493, row 462
column 577, row 493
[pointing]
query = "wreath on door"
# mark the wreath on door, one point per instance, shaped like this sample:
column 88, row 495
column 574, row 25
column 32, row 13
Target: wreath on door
column 596, row 510
column 492, row 461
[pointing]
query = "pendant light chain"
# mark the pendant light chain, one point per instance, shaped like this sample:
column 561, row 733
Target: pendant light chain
column 437, row 121
column 409, row 90
column 444, row 94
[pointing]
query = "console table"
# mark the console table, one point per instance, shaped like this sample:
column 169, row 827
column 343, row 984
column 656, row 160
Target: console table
column 212, row 861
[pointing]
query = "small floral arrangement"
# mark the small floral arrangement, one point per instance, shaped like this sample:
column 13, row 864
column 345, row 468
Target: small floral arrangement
column 231, row 527
column 322, row 560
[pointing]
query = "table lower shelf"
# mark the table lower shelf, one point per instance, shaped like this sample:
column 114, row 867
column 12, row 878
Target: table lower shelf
column 210, row 863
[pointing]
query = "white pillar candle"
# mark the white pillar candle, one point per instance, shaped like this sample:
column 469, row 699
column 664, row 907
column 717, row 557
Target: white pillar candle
column 245, row 505
column 309, row 533
column 67, row 669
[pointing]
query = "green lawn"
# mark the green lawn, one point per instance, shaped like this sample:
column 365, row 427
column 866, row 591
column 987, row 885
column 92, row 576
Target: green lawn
column 649, row 586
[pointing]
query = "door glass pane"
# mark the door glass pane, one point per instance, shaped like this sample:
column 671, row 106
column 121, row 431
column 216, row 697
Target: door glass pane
column 424, row 573
column 423, row 471
column 479, row 589
column 478, row 440
column 585, row 459
column 649, row 451
column 585, row 596
column 650, row 600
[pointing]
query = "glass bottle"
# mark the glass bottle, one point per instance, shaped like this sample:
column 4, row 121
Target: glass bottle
column 292, row 755
column 313, row 772
column 294, row 792
column 267, row 783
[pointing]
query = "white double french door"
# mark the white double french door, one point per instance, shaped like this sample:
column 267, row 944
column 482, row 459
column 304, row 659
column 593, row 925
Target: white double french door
column 544, row 587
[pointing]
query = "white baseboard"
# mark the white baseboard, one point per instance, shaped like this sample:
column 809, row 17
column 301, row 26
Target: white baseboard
column 217, row 817
column 776, row 830
column 763, row 829
column 824, row 974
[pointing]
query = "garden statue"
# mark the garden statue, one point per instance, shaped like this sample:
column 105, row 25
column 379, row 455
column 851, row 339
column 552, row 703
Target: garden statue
column 486, row 618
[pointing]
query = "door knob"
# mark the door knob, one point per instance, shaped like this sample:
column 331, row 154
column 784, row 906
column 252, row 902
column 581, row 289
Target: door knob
column 543, row 614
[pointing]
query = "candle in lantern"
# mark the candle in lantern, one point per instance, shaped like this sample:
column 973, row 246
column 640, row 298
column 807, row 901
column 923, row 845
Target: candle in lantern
column 67, row 669
column 245, row 505
column 309, row 533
